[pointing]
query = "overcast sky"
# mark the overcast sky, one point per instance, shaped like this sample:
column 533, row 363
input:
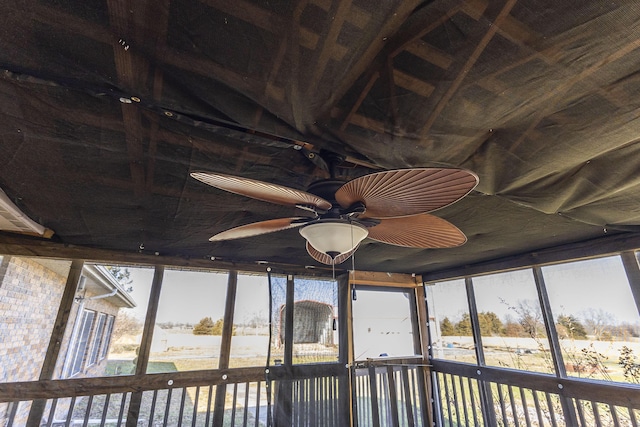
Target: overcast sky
column 573, row 288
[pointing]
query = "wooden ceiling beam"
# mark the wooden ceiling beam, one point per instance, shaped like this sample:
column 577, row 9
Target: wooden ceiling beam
column 558, row 95
column 377, row 45
column 367, row 123
column 601, row 246
column 52, row 16
column 356, row 106
column 328, row 43
column 427, row 21
column 412, row 83
column 429, row 53
column 27, row 246
column 480, row 47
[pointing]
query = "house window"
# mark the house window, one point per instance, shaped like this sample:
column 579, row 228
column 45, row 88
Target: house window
column 82, row 341
column 106, row 338
column 97, row 339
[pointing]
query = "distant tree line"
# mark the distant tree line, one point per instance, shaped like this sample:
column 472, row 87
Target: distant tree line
column 528, row 323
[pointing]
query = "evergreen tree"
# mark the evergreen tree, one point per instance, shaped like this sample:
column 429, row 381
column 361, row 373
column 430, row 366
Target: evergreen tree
column 204, row 327
column 574, row 329
column 490, row 324
column 463, row 327
column 446, row 327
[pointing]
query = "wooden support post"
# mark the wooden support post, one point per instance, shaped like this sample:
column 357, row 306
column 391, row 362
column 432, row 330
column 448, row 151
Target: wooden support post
column 484, row 388
column 632, row 270
column 283, row 404
column 436, row 410
column 425, row 385
column 373, row 395
column 225, row 346
column 57, row 335
column 554, row 343
column 345, row 356
column 393, row 397
column 145, row 344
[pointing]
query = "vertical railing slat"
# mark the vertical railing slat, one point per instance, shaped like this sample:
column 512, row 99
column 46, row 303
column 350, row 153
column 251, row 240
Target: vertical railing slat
column 632, row 417
column 245, row 415
column 373, row 390
column 463, row 397
column 454, row 391
column 87, row 412
column 107, row 398
column 153, row 407
column 393, row 397
column 596, row 414
column 182, row 400
column 614, row 416
column 52, row 412
column 167, row 407
column 446, row 394
column 234, row 405
column 503, row 407
column 122, row 406
column 580, row 410
column 209, row 399
column 536, row 402
column 514, row 410
column 311, row 402
column 525, row 407
column 196, row 400
column 258, row 403
column 552, row 413
column 409, row 402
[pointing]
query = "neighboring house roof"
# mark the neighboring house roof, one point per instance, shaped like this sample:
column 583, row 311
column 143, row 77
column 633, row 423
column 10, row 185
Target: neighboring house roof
column 102, row 283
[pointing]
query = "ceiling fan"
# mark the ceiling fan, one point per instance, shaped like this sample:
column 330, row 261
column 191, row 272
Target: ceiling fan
column 390, row 207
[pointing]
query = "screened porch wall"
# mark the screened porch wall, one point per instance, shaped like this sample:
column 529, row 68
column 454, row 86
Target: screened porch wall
column 556, row 344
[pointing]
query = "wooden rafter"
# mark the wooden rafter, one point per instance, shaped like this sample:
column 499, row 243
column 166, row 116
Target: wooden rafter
column 558, row 95
column 330, row 40
column 374, row 49
column 481, row 46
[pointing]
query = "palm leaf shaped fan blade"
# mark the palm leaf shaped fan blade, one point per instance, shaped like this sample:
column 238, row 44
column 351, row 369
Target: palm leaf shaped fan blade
column 418, row 231
column 257, row 228
column 391, row 207
column 407, row 192
column 261, row 190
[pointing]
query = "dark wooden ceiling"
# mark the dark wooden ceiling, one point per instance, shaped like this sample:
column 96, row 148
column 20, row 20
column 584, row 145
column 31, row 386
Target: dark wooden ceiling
column 107, row 105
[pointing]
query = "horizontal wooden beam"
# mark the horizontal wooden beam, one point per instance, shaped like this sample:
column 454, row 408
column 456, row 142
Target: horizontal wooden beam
column 51, row 389
column 626, row 395
column 372, row 278
column 28, row 246
column 602, row 246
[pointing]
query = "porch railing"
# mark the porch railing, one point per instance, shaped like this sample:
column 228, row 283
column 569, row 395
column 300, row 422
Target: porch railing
column 301, row 396
column 469, row 395
column 390, row 393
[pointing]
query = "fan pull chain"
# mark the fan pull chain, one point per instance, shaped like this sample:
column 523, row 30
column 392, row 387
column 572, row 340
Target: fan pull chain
column 353, row 270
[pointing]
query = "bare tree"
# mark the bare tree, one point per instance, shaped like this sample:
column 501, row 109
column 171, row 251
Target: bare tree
column 597, row 321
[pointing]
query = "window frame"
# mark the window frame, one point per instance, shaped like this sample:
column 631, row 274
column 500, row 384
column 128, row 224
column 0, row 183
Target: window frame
column 413, row 316
column 81, row 341
column 96, row 339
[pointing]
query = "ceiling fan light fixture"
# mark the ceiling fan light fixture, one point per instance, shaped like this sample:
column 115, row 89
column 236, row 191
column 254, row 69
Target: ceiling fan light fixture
column 334, row 237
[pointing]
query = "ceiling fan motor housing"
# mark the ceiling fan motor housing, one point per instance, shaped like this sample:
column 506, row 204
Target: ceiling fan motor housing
column 326, row 189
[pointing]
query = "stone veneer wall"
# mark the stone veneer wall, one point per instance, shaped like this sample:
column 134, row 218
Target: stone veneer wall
column 30, row 296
